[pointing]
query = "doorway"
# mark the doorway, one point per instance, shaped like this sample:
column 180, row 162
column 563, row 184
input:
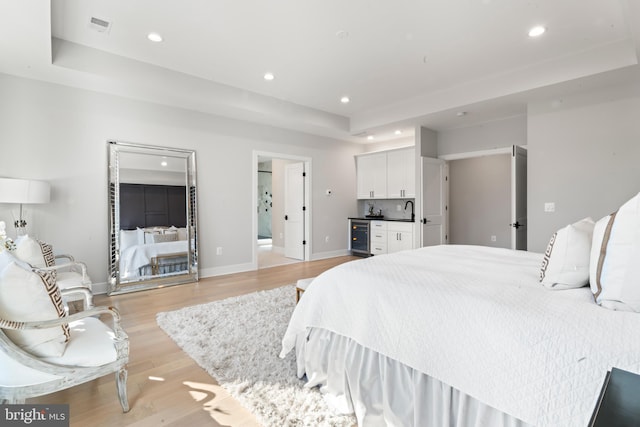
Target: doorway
column 488, row 194
column 281, row 219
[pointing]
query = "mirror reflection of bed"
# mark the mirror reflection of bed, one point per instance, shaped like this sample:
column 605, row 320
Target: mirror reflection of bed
column 153, row 233
column 153, row 251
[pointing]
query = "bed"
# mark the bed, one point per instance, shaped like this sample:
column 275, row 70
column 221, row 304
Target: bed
column 153, row 251
column 457, row 336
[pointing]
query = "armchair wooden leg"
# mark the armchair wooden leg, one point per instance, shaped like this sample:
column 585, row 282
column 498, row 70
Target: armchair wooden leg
column 12, row 401
column 121, row 385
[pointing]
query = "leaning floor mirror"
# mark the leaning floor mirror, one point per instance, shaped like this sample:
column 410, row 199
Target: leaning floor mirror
column 152, row 217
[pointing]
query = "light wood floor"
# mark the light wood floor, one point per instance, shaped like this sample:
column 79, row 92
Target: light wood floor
column 166, row 387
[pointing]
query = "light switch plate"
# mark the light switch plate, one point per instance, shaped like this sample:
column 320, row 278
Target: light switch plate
column 549, row 207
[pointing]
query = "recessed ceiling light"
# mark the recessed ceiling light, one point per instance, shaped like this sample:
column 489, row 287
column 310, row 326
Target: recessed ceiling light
column 537, row 31
column 269, row 76
column 342, row 34
column 154, row 37
column 370, row 137
column 163, row 163
column 461, row 113
column 398, row 132
column 345, row 100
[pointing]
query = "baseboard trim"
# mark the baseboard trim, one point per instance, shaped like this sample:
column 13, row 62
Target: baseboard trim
column 331, row 254
column 227, row 269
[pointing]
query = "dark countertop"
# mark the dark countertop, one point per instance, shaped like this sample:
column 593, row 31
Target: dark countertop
column 361, row 218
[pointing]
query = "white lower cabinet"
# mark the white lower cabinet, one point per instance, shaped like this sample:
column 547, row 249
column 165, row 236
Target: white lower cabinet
column 390, row 236
column 378, row 237
column 399, row 236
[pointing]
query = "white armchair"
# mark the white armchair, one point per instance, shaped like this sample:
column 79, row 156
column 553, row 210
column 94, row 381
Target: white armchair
column 72, row 275
column 93, row 350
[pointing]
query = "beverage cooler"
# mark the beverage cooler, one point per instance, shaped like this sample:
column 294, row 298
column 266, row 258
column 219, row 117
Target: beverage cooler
column 359, row 238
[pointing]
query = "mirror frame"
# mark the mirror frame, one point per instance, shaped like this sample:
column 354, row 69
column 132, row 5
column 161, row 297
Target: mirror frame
column 115, row 286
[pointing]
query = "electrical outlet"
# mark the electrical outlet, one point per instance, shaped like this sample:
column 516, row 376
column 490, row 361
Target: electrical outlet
column 326, row 239
column 493, row 238
column 219, row 250
column 549, row 207
column 398, row 208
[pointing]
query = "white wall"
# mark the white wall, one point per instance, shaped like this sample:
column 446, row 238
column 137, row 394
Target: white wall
column 487, row 136
column 584, row 155
column 59, row 134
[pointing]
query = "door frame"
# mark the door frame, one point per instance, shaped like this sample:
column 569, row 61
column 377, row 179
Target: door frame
column 254, row 200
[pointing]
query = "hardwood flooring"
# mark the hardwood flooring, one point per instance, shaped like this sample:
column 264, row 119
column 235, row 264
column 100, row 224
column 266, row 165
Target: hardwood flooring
column 166, row 387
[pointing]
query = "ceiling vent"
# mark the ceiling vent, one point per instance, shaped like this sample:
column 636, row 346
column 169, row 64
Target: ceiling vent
column 100, row 25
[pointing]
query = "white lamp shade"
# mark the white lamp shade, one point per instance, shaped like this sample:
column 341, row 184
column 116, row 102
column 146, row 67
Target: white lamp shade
column 24, row 191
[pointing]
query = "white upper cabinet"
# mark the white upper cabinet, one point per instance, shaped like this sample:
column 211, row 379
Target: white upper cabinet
column 387, row 174
column 372, row 176
column 401, row 174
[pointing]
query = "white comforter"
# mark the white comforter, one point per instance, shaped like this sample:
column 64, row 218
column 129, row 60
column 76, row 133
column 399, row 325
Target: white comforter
column 134, row 257
column 477, row 319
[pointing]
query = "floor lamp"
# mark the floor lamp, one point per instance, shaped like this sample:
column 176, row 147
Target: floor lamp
column 23, row 191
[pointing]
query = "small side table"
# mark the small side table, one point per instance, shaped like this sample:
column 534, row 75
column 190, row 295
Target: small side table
column 301, row 286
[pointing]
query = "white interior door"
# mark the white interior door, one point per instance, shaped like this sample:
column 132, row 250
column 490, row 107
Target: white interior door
column 518, row 198
column 435, row 194
column 294, row 211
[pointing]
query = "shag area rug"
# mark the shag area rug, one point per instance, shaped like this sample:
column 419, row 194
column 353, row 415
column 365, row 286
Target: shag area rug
column 237, row 341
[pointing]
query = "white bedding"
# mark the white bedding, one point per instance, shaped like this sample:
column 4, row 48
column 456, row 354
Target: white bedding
column 134, row 257
column 478, row 319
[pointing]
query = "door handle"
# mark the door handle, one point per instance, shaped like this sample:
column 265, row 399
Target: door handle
column 286, row 217
column 516, row 225
column 425, row 220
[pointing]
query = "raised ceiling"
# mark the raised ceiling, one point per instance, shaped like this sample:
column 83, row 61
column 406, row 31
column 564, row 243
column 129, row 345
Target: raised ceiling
column 402, row 63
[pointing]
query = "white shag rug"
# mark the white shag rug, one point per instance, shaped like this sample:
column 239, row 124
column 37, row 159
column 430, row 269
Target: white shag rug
column 237, row 341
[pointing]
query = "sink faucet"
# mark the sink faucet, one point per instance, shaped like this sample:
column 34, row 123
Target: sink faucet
column 413, row 215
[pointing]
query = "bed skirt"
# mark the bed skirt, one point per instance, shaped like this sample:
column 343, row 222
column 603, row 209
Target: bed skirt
column 384, row 392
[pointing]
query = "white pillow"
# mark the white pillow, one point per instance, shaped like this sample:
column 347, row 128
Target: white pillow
column 615, row 258
column 28, row 296
column 128, row 238
column 34, row 252
column 566, row 260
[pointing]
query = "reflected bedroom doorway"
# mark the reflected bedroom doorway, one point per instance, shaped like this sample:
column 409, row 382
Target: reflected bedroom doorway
column 280, row 232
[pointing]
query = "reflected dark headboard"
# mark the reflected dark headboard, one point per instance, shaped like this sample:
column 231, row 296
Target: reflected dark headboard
column 145, row 205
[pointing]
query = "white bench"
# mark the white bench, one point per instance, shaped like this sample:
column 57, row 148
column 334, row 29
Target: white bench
column 301, row 286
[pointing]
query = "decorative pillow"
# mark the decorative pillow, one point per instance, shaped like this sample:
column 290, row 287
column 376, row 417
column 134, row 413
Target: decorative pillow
column 168, row 237
column 149, row 236
column 566, row 260
column 615, row 259
column 182, row 233
column 29, row 296
column 34, row 252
